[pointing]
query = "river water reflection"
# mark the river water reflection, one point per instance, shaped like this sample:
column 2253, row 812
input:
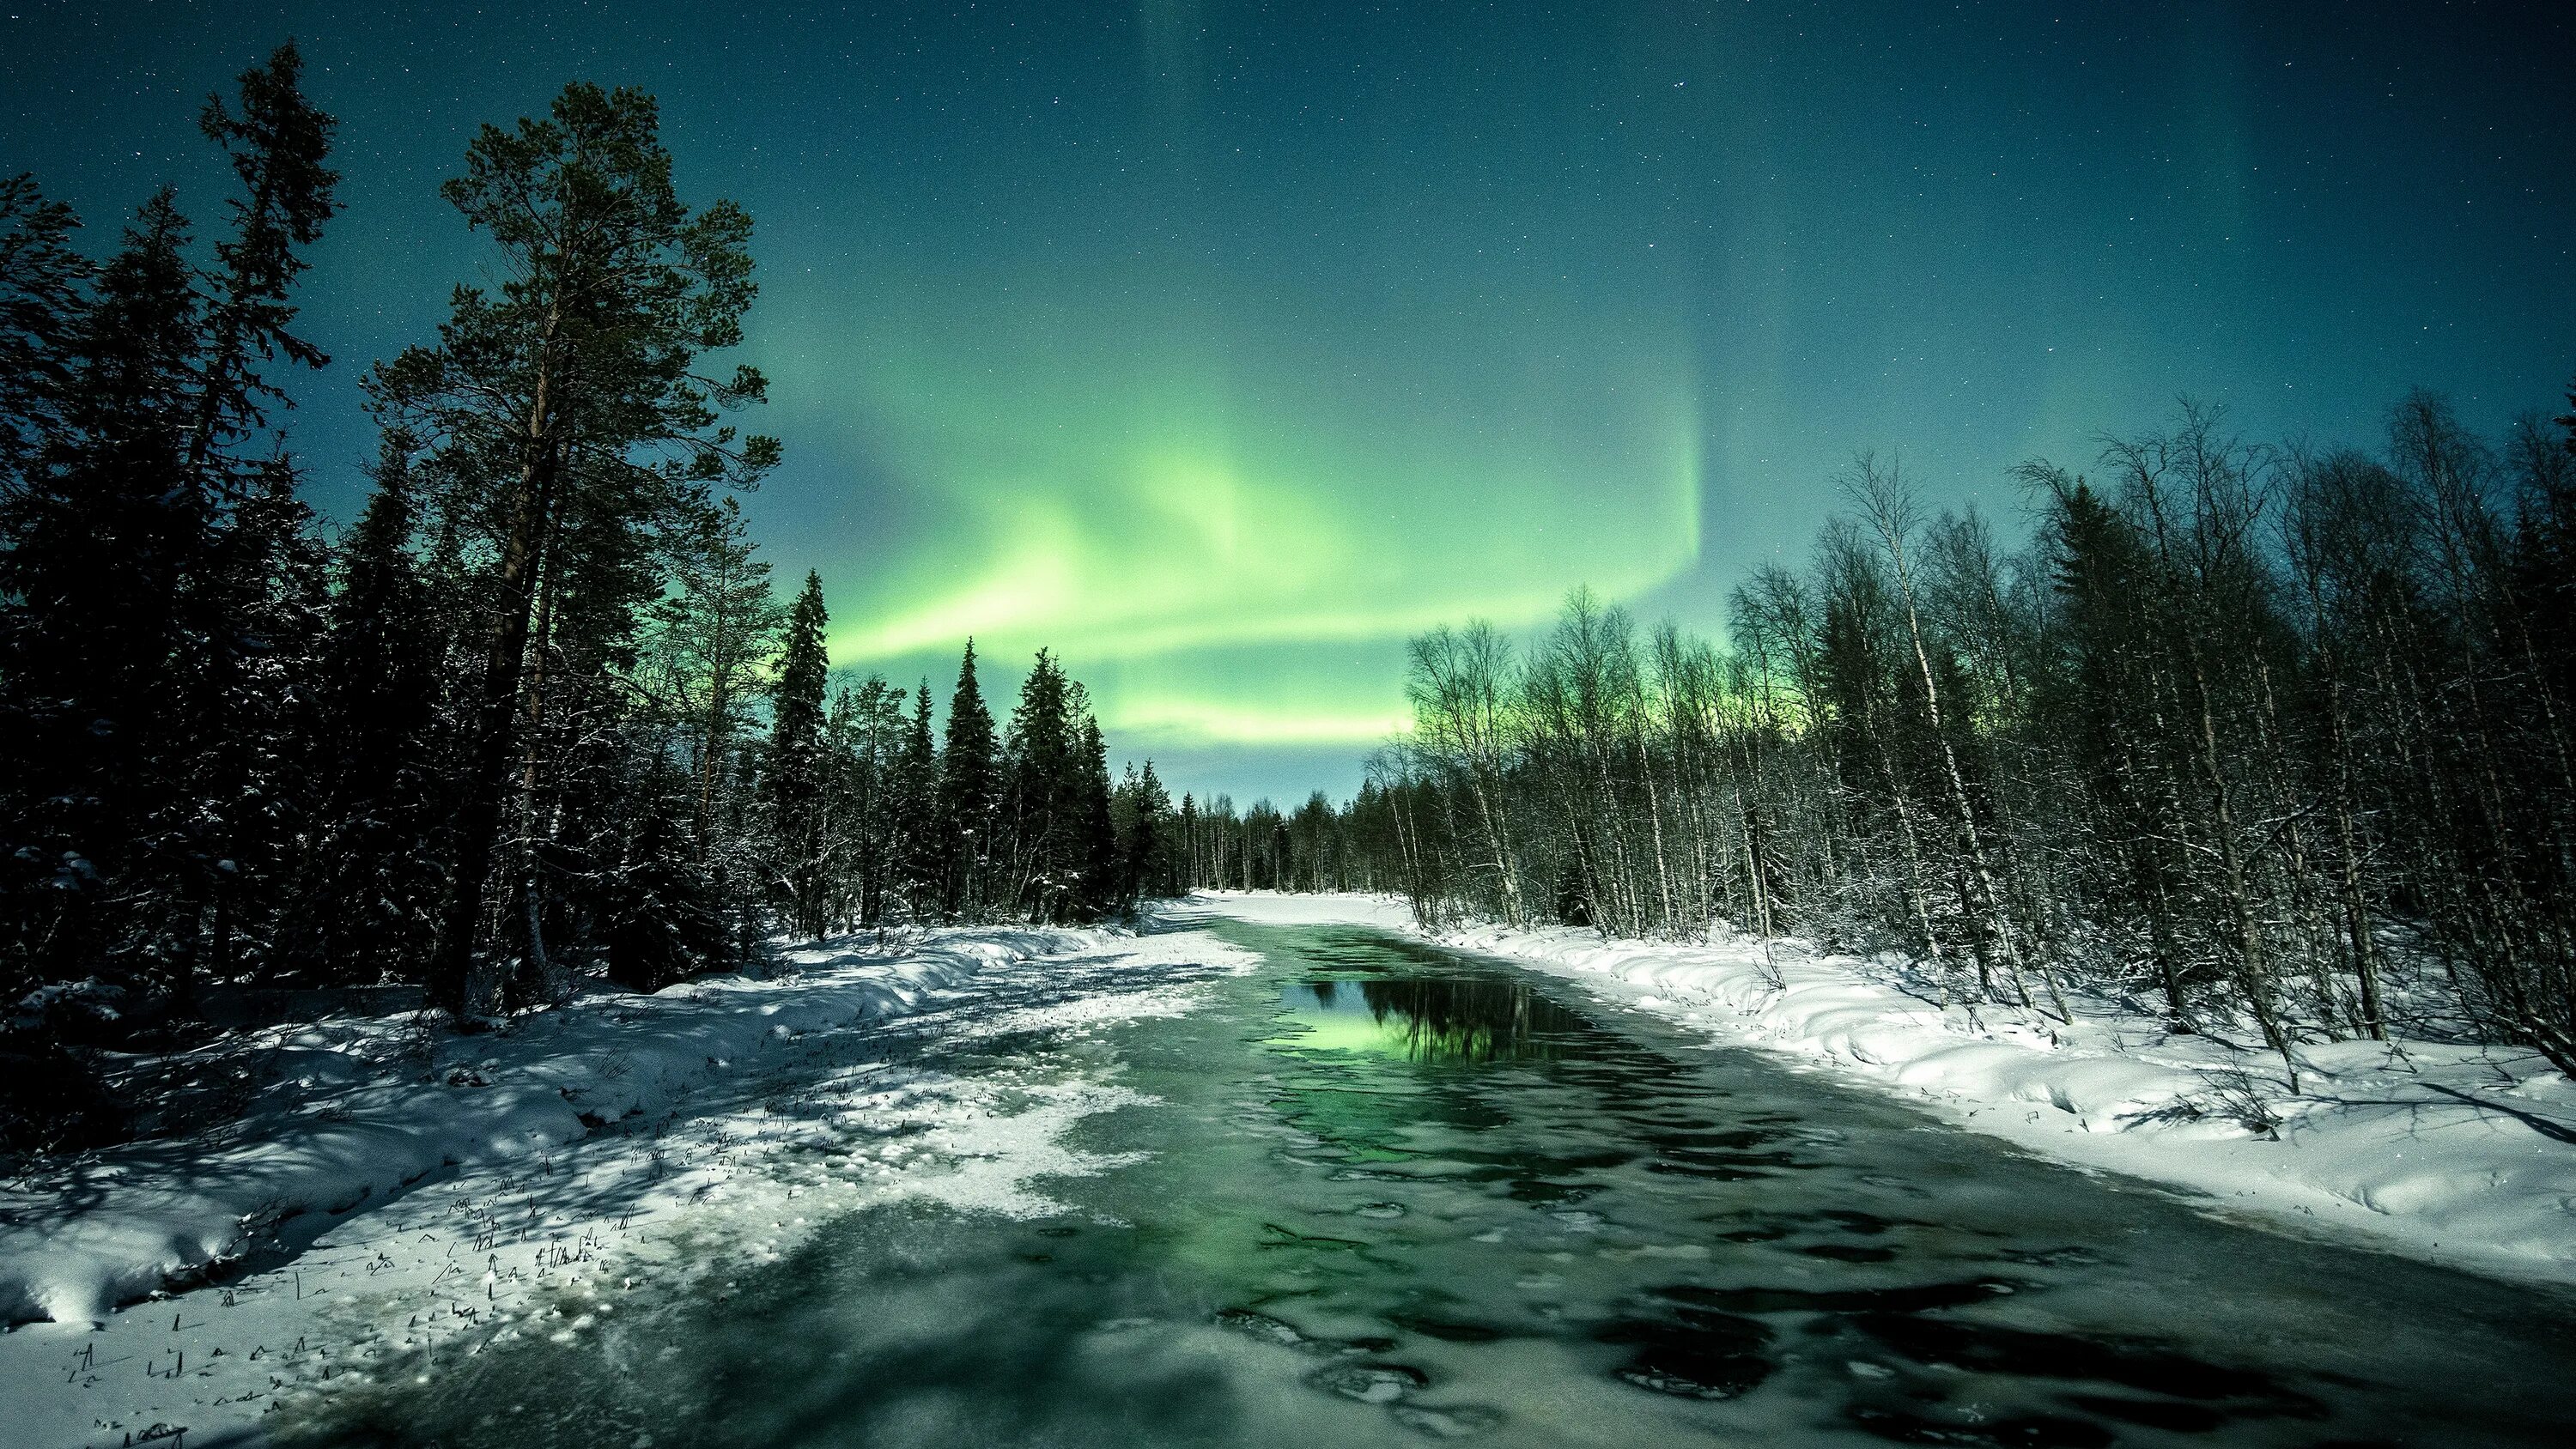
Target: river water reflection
column 1390, row 1194
column 1429, row 1020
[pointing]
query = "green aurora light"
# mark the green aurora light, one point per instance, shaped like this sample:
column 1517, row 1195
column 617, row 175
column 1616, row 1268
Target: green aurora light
column 1229, row 517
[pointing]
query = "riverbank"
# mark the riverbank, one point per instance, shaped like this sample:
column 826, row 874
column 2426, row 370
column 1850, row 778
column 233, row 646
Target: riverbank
column 2455, row 1153
column 352, row 1109
column 396, row 1190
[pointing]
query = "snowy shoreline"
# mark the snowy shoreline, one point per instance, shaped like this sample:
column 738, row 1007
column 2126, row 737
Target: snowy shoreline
column 2458, row 1154
column 401, row 1199
column 364, row 1107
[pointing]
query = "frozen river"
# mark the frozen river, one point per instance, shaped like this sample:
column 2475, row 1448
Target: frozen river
column 1381, row 1192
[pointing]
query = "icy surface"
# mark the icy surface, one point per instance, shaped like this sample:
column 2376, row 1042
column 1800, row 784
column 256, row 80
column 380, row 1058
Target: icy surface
column 2455, row 1153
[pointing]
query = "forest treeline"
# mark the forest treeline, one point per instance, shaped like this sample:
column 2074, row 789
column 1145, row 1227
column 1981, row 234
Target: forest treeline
column 539, row 712
column 2278, row 736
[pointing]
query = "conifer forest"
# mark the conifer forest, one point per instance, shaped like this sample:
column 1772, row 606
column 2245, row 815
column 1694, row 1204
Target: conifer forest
column 1209, row 724
column 540, row 711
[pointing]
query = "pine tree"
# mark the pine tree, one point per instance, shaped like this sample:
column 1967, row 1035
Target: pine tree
column 1096, row 890
column 277, row 144
column 969, row 792
column 1040, row 799
column 916, row 848
column 103, row 543
column 591, row 759
column 794, row 780
column 42, row 280
column 367, row 901
column 1142, row 813
column 713, row 636
column 579, row 370
column 251, row 616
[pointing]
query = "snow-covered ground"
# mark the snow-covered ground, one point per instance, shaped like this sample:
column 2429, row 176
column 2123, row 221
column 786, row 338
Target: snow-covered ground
column 395, row 1189
column 2456, row 1153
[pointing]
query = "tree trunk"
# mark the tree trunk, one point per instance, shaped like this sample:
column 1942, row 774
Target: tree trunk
column 451, row 976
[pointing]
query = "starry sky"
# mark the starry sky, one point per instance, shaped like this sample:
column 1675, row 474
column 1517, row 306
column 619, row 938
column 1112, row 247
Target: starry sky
column 1221, row 346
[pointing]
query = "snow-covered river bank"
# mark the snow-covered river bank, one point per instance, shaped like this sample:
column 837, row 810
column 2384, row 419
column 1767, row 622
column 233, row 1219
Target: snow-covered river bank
column 2454, row 1153
column 396, row 1191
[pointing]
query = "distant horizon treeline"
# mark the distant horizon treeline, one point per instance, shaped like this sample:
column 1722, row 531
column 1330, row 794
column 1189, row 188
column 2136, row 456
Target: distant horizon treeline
column 2276, row 735
column 537, row 715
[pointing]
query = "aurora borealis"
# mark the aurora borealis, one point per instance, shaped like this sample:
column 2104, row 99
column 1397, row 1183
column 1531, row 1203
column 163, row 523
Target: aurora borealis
column 1183, row 522
column 1220, row 347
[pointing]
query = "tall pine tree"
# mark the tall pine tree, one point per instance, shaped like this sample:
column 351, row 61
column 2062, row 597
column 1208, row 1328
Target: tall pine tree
column 104, row 540
column 367, row 901
column 252, row 614
column 277, row 143
column 1096, row 889
column 42, row 283
column 1044, row 782
column 580, row 368
column 917, row 857
column 969, row 791
column 796, row 775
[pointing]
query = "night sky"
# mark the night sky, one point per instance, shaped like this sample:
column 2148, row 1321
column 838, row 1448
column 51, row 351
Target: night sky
column 1222, row 346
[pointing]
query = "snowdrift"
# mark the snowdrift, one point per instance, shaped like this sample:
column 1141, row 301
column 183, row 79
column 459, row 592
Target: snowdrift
column 359, row 1109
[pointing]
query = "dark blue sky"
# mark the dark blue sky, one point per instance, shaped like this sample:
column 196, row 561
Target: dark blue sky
column 1222, row 345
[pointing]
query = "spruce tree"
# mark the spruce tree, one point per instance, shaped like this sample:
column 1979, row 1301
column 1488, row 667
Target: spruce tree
column 969, row 790
column 42, row 285
column 663, row 923
column 795, row 777
column 1040, row 800
column 1144, row 843
column 579, row 370
column 712, row 637
column 367, row 899
column 103, row 542
column 277, row 143
column 42, row 296
column 1095, row 838
column 918, row 858
column 165, row 591
column 246, row 745
column 2105, row 699
column 864, row 738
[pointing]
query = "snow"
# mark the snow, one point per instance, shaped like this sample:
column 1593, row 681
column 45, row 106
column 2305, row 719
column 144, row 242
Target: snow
column 2452, row 1152
column 396, row 1189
